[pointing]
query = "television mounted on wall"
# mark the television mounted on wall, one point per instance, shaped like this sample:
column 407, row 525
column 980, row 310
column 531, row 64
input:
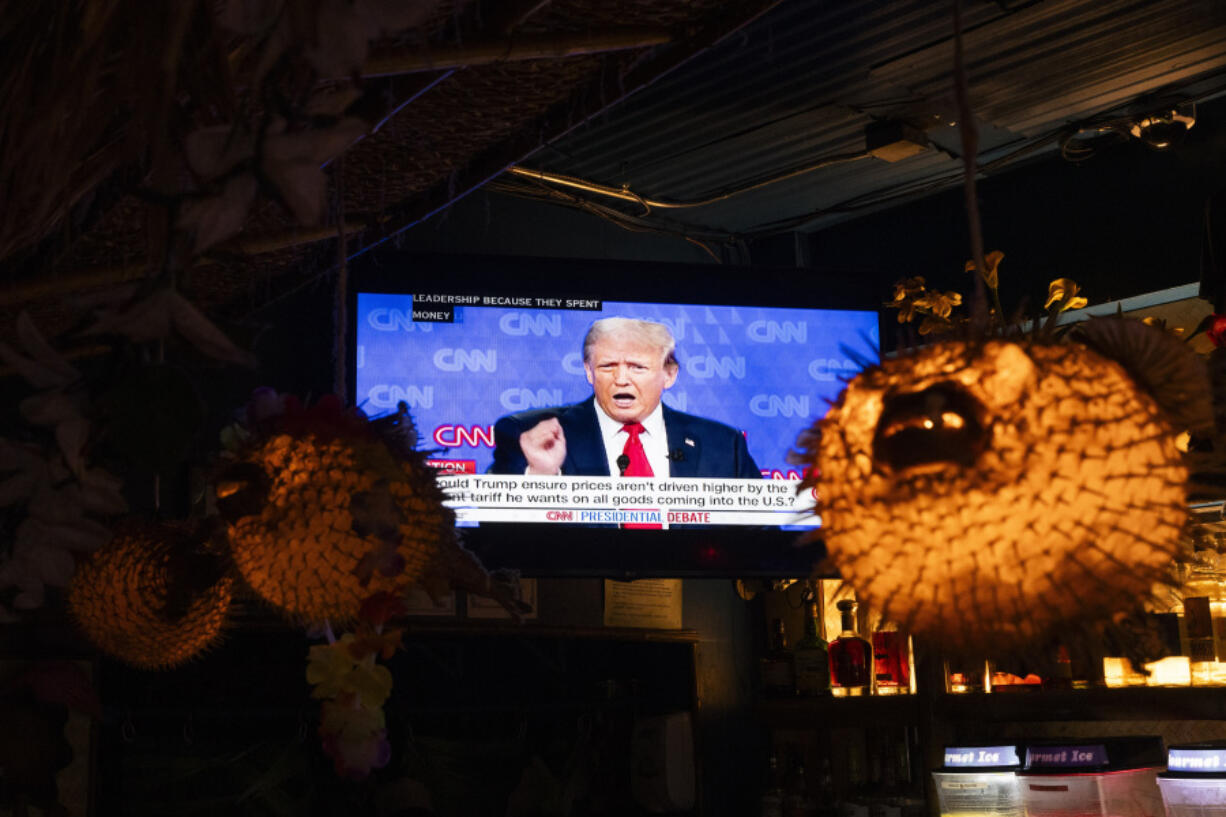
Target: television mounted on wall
column 482, row 349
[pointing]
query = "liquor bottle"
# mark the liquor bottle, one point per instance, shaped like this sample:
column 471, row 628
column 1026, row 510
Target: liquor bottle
column 891, row 667
column 1203, row 614
column 1198, row 618
column 1061, row 676
column 965, row 675
column 776, row 666
column 811, row 655
column 851, row 657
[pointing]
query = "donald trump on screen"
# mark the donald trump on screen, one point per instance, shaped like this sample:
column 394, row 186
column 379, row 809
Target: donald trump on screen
column 623, row 428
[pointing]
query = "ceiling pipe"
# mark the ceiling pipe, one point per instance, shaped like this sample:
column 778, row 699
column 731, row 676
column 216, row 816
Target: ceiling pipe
column 626, row 194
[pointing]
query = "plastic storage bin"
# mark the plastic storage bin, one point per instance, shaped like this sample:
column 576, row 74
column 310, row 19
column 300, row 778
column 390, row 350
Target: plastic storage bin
column 1194, row 784
column 979, row 781
column 1105, row 777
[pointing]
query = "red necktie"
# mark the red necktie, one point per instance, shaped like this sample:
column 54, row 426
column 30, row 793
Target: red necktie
column 638, row 465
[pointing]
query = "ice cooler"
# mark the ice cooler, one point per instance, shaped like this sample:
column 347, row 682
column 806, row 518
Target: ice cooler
column 1194, row 784
column 1096, row 777
column 979, row 781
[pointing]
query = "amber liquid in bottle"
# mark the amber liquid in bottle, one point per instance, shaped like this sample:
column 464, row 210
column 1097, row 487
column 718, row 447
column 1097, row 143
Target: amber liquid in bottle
column 891, row 668
column 851, row 657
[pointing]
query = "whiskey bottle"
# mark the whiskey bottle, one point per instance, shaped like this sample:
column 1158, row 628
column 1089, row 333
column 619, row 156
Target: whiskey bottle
column 851, row 657
column 776, row 672
column 811, row 655
column 891, row 667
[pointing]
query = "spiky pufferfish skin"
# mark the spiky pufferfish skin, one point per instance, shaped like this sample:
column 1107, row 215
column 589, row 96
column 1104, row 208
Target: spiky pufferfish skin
column 301, row 552
column 984, row 495
column 120, row 598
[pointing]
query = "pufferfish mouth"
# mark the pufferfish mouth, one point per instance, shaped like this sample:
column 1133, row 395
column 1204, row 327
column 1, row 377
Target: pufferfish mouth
column 940, row 425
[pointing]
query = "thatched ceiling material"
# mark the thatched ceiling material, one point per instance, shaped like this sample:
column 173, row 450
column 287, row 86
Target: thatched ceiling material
column 449, row 124
column 101, row 124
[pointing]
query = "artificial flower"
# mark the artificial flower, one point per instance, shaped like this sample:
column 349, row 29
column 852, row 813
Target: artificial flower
column 371, row 682
column 346, row 718
column 907, row 288
column 991, row 261
column 1063, row 292
column 329, row 666
column 333, row 670
column 354, row 735
column 940, row 304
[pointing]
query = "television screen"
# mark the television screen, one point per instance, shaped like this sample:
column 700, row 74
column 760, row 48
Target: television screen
column 528, row 432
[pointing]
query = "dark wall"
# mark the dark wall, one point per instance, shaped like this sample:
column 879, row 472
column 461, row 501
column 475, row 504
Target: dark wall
column 1128, row 221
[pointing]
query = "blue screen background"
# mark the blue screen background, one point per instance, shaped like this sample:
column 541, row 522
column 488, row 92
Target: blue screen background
column 765, row 370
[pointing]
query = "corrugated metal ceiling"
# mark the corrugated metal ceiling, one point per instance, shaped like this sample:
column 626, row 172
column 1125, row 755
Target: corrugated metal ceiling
column 802, row 83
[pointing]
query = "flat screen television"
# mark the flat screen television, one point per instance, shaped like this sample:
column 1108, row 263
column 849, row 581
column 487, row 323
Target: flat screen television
column 465, row 341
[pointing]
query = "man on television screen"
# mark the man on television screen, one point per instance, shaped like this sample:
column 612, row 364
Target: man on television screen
column 623, row 428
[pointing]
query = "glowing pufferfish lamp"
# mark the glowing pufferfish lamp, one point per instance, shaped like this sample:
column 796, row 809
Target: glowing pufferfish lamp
column 153, row 597
column 323, row 513
column 983, row 493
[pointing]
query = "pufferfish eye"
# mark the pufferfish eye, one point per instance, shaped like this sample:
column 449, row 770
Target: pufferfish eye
column 940, row 424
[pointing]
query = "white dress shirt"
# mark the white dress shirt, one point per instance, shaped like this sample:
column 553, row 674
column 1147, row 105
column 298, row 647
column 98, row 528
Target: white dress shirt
column 653, row 437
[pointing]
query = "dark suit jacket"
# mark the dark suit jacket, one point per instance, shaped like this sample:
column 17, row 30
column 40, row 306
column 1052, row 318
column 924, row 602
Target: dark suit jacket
column 697, row 447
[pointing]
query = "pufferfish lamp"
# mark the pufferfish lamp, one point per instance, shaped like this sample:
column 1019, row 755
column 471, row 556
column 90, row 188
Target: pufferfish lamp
column 156, row 596
column 985, row 491
column 326, row 509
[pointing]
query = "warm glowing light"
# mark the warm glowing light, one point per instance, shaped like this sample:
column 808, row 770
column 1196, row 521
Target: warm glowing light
column 1050, row 490
column 343, row 519
column 1172, row 671
column 1118, row 672
column 140, row 598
